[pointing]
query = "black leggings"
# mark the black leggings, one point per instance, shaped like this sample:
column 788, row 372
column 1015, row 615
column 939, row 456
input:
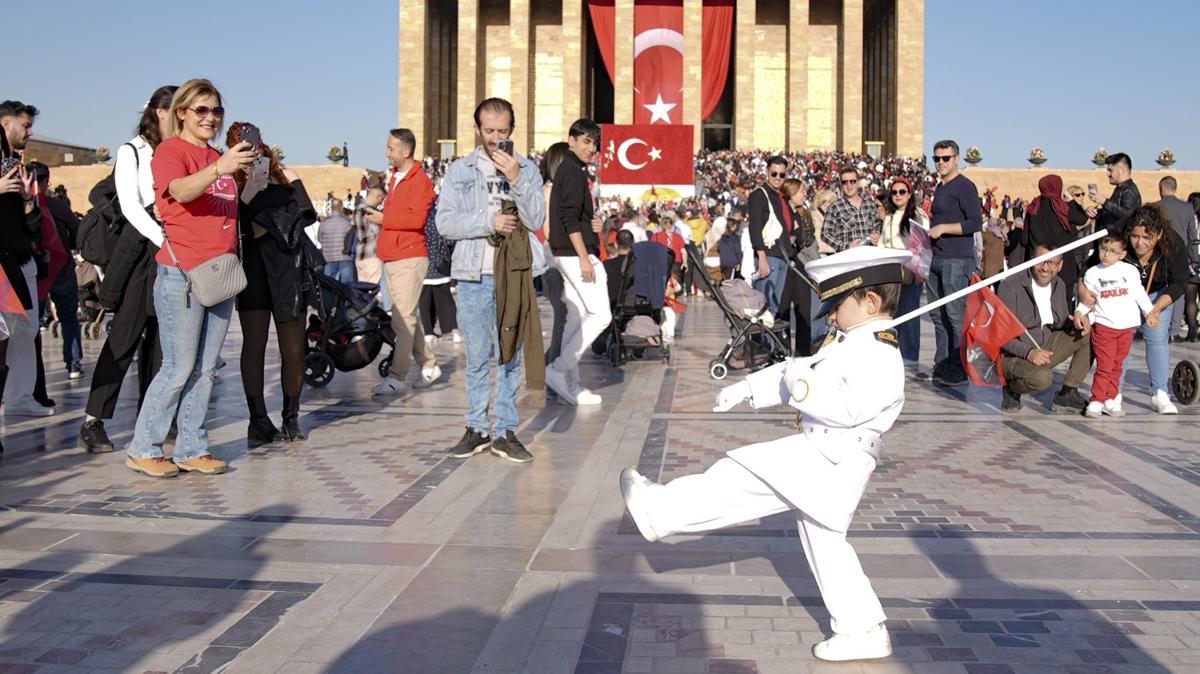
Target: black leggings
column 256, row 323
column 1189, row 307
column 437, row 306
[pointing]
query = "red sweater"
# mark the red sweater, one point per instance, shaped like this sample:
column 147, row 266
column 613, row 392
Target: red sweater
column 402, row 235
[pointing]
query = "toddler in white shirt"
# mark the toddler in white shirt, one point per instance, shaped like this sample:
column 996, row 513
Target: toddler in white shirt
column 1121, row 301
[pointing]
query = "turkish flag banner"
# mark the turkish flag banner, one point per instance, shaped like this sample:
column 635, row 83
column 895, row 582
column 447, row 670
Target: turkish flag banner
column 987, row 326
column 643, row 154
column 658, row 62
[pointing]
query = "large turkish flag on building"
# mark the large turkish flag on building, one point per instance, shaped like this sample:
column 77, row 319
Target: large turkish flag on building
column 658, row 62
column 642, row 154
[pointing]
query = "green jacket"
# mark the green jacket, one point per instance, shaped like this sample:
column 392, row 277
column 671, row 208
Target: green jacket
column 517, row 318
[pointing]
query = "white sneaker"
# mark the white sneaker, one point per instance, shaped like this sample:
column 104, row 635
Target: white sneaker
column 1160, row 402
column 585, row 397
column 1094, row 410
column 27, row 408
column 390, row 386
column 428, row 377
column 872, row 644
column 1113, row 408
column 557, row 382
column 633, row 487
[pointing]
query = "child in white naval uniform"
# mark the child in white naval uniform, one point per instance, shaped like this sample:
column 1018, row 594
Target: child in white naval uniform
column 850, row 393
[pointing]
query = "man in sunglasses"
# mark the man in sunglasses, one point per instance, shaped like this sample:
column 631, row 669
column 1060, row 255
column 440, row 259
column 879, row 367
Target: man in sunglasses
column 854, row 218
column 957, row 216
column 769, row 213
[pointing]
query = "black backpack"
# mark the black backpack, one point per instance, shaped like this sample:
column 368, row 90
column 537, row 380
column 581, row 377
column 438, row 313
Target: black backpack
column 101, row 227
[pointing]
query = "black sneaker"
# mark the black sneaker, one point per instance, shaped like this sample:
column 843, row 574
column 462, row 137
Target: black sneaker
column 93, row 438
column 1010, row 401
column 509, row 447
column 1069, row 402
column 472, row 443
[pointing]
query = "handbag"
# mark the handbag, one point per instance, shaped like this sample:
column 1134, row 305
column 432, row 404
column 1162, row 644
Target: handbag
column 214, row 280
column 772, row 229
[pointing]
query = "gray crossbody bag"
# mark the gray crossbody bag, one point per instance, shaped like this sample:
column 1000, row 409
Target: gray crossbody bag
column 214, row 280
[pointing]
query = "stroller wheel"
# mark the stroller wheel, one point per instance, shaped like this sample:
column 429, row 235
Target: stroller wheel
column 1185, row 382
column 718, row 370
column 385, row 365
column 318, row 369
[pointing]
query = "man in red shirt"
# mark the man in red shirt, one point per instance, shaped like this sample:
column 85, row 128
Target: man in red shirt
column 401, row 247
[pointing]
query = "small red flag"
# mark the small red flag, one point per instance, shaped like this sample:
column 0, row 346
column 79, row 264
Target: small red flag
column 987, row 326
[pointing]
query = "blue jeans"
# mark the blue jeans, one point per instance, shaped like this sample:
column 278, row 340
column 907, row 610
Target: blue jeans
column 947, row 276
column 65, row 295
column 342, row 271
column 1158, row 350
column 477, row 320
column 772, row 286
column 910, row 331
column 191, row 339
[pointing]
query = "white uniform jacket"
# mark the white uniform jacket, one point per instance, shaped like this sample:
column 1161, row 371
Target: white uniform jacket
column 850, row 393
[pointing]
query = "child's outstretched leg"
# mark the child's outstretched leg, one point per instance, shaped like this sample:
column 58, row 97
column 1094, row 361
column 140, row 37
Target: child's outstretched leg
column 724, row 495
column 856, row 615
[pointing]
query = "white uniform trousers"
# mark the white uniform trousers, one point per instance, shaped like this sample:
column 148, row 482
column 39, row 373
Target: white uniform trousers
column 728, row 494
column 22, row 352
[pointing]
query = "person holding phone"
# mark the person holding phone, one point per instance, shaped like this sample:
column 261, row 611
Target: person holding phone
column 1114, row 212
column 274, row 210
column 20, row 225
column 197, row 197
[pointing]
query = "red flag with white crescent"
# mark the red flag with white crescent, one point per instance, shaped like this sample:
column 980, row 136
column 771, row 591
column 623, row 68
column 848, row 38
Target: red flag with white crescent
column 643, row 154
column 658, row 62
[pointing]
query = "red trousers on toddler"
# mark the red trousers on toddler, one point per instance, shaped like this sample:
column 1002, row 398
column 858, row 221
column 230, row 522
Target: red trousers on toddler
column 1111, row 348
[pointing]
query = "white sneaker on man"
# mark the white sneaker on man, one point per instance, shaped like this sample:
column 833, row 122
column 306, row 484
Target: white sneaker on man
column 1113, row 408
column 428, row 376
column 27, row 408
column 1160, row 402
column 390, row 386
column 633, row 490
column 872, row 644
column 582, row 395
column 557, row 381
column 1095, row 410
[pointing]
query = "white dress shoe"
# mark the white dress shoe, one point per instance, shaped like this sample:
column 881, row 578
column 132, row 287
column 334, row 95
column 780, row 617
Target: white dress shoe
column 872, row 644
column 633, row 490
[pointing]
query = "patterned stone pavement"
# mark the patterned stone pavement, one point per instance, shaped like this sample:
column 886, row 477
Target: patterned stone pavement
column 1020, row 543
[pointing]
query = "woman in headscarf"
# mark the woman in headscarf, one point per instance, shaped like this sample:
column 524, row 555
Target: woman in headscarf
column 1049, row 221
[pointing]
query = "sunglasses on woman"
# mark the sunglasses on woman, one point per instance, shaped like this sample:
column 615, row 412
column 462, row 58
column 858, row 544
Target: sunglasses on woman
column 899, row 192
column 205, row 111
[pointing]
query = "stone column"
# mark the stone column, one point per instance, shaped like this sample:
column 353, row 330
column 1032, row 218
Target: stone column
column 573, row 77
column 518, row 23
column 910, row 77
column 743, row 99
column 693, row 67
column 851, row 76
column 623, row 68
column 798, row 76
column 411, row 103
column 468, row 77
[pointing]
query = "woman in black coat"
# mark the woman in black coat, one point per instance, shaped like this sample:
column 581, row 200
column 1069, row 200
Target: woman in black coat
column 272, row 230
column 1052, row 223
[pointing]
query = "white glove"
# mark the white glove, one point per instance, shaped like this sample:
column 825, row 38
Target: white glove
column 731, row 396
column 796, row 376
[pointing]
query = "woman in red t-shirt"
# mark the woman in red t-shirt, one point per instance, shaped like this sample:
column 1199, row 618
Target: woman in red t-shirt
column 197, row 200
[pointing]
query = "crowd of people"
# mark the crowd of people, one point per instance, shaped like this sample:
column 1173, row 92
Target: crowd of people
column 430, row 233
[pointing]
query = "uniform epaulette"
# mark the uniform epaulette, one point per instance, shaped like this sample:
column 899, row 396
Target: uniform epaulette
column 888, row 337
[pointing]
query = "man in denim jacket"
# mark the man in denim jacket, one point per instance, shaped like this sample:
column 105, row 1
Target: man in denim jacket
column 474, row 191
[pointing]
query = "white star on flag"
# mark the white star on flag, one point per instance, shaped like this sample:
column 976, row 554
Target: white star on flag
column 655, row 154
column 659, row 110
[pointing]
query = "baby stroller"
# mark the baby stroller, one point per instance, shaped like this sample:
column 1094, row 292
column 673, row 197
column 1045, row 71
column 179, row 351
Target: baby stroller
column 348, row 330
column 752, row 335
column 91, row 314
column 637, row 324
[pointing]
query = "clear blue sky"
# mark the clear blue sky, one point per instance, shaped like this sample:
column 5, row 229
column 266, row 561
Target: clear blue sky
column 1066, row 75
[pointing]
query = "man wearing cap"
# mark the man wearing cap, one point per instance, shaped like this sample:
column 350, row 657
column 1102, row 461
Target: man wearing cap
column 849, row 393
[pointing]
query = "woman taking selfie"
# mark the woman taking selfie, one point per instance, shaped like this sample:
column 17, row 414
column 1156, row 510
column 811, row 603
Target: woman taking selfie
column 129, row 277
column 197, row 200
column 272, row 220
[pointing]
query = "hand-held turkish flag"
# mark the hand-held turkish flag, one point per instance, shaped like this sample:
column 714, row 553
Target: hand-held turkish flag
column 987, row 326
column 641, row 154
